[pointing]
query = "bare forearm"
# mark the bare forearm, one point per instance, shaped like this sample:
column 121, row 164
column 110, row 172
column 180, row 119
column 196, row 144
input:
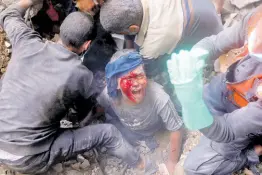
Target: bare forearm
column 25, row 4
column 175, row 146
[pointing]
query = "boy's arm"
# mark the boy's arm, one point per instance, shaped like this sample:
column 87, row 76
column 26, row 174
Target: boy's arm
column 173, row 123
column 11, row 20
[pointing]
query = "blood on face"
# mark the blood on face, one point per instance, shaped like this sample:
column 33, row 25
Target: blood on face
column 133, row 82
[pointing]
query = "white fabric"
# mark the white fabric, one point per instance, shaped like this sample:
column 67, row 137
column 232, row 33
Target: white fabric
column 8, row 156
column 161, row 28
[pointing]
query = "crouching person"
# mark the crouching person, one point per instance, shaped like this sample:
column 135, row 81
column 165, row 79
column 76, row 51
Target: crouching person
column 231, row 102
column 141, row 106
column 43, row 80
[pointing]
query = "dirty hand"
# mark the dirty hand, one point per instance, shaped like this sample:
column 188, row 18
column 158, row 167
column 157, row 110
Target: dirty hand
column 186, row 65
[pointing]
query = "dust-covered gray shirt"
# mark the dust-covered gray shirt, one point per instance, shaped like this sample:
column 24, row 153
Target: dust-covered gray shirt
column 153, row 113
column 42, row 81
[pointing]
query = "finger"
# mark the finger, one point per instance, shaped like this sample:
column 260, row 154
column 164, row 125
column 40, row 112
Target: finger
column 173, row 68
column 186, row 64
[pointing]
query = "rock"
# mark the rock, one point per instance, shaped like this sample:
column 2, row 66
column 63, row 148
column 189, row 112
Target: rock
column 9, row 51
column 96, row 171
column 3, row 70
column 89, row 154
column 76, row 166
column 58, row 168
column 7, row 44
column 70, row 162
column 73, row 172
column 243, row 3
column 80, row 158
column 85, row 165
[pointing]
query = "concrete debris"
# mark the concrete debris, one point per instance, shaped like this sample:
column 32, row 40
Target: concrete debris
column 58, row 168
column 243, row 3
column 76, row 166
column 7, row 44
column 85, row 164
column 30, row 13
column 70, row 162
column 80, row 158
column 235, row 10
column 5, row 52
column 73, row 172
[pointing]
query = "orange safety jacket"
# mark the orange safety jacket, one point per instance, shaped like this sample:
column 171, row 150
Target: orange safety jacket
column 238, row 92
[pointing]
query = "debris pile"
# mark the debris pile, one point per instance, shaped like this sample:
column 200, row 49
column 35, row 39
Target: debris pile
column 29, row 14
column 5, row 50
column 234, row 10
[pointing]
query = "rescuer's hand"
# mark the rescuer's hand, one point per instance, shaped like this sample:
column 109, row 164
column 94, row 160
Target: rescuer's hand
column 185, row 66
column 185, row 70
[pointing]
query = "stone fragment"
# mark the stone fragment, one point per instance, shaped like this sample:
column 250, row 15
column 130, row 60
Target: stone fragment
column 80, row 158
column 69, row 162
column 85, row 165
column 89, row 154
column 73, row 172
column 76, row 166
column 7, row 44
column 58, row 168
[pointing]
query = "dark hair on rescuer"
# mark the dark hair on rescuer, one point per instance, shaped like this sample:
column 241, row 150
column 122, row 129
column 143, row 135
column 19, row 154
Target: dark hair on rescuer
column 76, row 29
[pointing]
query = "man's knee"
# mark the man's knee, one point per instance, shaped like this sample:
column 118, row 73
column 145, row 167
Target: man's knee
column 112, row 132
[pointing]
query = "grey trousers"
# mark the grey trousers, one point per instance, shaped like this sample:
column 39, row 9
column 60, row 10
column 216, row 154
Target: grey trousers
column 69, row 143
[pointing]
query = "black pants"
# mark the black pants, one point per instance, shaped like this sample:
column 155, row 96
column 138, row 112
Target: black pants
column 69, row 143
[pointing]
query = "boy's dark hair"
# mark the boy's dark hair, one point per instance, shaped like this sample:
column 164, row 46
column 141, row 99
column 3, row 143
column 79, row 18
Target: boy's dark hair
column 76, row 29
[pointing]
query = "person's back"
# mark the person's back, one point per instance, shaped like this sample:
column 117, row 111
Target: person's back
column 33, row 95
column 41, row 83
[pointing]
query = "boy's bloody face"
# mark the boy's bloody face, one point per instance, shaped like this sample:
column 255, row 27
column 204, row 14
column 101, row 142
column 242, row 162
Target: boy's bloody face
column 133, row 85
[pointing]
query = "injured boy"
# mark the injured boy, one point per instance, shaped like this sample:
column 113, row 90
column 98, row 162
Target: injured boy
column 139, row 107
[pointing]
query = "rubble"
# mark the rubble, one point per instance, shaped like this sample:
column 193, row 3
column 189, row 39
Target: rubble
column 5, row 52
column 234, row 10
column 29, row 14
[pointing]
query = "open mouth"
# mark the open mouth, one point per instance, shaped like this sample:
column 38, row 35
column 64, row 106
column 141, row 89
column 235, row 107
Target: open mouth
column 136, row 91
